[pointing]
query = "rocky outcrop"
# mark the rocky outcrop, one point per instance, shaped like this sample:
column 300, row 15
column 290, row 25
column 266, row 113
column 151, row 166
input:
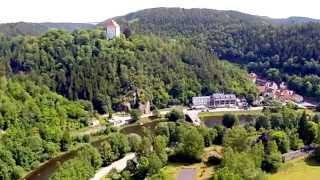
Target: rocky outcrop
column 145, row 108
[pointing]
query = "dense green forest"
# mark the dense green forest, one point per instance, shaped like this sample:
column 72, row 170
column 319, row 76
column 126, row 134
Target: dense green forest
column 84, row 65
column 287, row 52
column 34, row 125
column 41, row 75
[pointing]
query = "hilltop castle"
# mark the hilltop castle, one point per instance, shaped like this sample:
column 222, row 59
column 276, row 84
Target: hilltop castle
column 112, row 29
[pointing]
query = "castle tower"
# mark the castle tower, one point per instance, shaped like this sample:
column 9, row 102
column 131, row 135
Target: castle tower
column 112, row 29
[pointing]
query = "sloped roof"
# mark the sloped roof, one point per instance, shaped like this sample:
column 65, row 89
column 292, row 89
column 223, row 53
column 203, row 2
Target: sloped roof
column 112, row 23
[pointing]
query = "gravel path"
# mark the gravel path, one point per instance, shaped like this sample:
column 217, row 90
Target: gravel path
column 118, row 165
column 296, row 154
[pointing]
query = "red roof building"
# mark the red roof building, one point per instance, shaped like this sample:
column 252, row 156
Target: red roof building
column 112, row 23
column 112, row 29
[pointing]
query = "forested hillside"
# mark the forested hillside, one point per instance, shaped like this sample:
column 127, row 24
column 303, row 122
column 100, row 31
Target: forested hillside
column 294, row 20
column 34, row 125
column 279, row 52
column 21, row 28
column 26, row 28
column 84, row 65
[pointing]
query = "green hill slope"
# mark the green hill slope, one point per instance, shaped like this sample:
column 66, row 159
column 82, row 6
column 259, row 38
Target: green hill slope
column 287, row 52
column 84, row 65
column 34, row 125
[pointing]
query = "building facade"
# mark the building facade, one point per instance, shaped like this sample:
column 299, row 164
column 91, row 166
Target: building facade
column 201, row 101
column 112, row 29
column 215, row 100
column 279, row 92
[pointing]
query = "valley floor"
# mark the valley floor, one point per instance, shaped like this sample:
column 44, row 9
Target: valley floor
column 297, row 170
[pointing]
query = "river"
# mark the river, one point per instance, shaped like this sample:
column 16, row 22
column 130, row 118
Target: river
column 213, row 121
column 47, row 169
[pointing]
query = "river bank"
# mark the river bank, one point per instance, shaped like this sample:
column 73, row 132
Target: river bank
column 47, row 168
column 44, row 171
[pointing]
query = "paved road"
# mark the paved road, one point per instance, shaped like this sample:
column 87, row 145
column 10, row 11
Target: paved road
column 118, row 165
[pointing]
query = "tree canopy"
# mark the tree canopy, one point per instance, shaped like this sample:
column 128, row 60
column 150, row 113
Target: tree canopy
column 278, row 51
column 36, row 123
column 84, row 65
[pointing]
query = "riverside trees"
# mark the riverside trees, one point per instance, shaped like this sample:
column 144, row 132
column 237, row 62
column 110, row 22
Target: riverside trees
column 36, row 124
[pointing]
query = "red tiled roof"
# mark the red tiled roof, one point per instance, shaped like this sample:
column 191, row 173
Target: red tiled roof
column 111, row 23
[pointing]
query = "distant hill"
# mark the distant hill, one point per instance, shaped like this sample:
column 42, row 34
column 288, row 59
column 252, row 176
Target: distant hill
column 147, row 17
column 279, row 49
column 294, row 21
column 24, row 28
column 69, row 26
column 189, row 20
column 196, row 19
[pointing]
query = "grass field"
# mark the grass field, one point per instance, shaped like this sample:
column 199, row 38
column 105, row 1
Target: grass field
column 204, row 115
column 299, row 169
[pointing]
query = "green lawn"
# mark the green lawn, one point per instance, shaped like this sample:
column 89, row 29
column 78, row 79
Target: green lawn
column 299, row 169
column 204, row 115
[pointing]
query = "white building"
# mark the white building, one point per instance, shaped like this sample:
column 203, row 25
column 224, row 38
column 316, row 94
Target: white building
column 216, row 100
column 120, row 120
column 112, row 29
column 201, row 101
